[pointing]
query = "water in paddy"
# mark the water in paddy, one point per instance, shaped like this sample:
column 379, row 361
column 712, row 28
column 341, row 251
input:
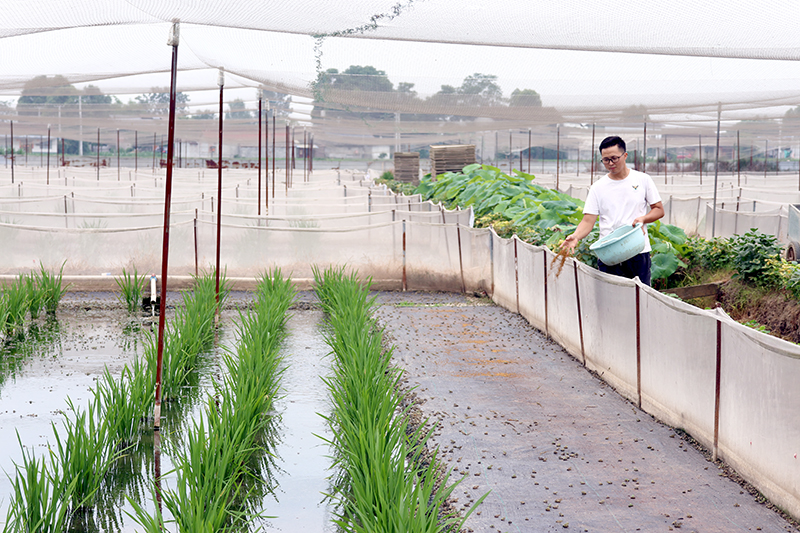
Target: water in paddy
column 52, row 361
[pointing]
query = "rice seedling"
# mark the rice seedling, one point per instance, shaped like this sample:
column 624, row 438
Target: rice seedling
column 223, row 466
column 16, row 302
column 35, row 295
column 130, row 289
column 84, row 455
column 40, row 502
column 382, row 482
column 125, row 404
column 53, row 288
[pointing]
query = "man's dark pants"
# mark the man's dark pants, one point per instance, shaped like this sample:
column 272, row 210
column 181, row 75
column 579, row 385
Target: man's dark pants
column 638, row 265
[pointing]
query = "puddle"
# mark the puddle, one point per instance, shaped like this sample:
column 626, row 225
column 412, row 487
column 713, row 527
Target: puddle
column 59, row 359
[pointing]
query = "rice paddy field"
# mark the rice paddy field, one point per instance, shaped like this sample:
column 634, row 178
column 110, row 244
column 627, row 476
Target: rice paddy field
column 480, row 423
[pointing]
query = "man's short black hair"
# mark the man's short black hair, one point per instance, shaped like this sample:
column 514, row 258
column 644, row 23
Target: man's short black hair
column 608, row 142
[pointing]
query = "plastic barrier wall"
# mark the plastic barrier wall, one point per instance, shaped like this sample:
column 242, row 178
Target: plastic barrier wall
column 732, row 388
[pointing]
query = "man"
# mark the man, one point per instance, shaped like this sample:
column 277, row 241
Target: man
column 621, row 197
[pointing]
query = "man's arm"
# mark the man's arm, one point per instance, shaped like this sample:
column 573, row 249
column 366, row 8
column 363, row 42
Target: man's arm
column 584, row 228
column 656, row 212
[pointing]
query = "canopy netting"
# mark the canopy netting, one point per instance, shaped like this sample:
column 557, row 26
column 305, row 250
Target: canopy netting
column 427, row 71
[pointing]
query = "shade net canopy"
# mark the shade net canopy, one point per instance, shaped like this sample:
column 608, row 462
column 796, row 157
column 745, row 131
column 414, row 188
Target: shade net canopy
column 409, row 72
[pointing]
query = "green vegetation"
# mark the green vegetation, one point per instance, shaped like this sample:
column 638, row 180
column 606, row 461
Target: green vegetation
column 387, row 178
column 53, row 288
column 40, row 501
column 538, row 215
column 50, row 494
column 130, row 289
column 386, row 479
column 223, row 468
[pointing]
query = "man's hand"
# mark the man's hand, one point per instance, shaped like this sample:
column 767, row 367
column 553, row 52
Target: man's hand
column 569, row 243
column 640, row 220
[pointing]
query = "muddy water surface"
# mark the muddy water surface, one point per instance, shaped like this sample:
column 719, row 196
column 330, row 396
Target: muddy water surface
column 61, row 359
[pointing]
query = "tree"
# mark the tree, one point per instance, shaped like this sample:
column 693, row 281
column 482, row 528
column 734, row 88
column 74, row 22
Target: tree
column 331, row 82
column 525, row 98
column 635, row 113
column 43, row 95
column 484, row 87
column 206, row 114
column 237, row 110
column 157, row 101
column 406, row 88
column 279, row 103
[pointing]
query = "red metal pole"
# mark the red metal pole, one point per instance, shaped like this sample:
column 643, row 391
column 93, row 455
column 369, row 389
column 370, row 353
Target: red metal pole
column 13, row 156
column 174, row 37
column 286, row 164
column 274, row 154
column 266, row 153
column 221, row 83
column 48, row 154
column 591, row 179
column 259, row 152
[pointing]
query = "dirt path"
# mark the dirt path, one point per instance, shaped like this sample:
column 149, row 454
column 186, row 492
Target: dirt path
column 557, row 447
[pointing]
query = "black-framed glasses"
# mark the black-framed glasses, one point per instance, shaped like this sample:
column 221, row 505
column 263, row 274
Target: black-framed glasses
column 612, row 159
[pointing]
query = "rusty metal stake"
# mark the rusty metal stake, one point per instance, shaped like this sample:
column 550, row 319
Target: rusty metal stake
column 221, row 83
column 638, row 350
column 405, row 280
column 580, row 317
column 516, row 271
column 174, row 38
column 460, row 260
column 546, row 326
column 717, row 387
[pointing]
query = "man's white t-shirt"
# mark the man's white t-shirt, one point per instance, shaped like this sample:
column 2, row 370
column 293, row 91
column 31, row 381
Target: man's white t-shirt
column 618, row 202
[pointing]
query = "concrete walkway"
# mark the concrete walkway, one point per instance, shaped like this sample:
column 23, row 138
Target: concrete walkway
column 558, row 448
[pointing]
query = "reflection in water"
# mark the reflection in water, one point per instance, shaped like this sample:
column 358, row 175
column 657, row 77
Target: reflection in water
column 303, row 456
column 287, row 479
column 40, row 339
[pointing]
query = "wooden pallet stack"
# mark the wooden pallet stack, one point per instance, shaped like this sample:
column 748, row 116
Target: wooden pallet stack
column 406, row 167
column 451, row 158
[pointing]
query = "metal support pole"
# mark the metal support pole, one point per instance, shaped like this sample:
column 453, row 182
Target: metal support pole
column 591, row 177
column 98, row 154
column 716, row 174
column 48, row 154
column 700, row 155
column 516, row 270
column 118, row 170
column 173, row 41
column 460, row 258
column 717, row 387
column 558, row 153
column 405, row 279
column 738, row 161
column 259, row 151
column 221, row 83
column 136, row 151
column 286, row 163
column 13, row 155
column 638, row 350
column 644, row 149
column 266, row 159
column 580, row 316
column 529, row 151
column 274, row 154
